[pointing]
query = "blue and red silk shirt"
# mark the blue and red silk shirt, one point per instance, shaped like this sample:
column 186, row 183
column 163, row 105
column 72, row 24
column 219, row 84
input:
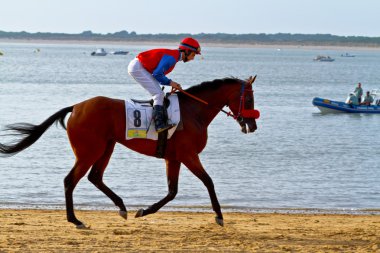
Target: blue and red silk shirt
column 160, row 62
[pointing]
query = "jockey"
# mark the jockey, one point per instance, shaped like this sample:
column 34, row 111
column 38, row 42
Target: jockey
column 150, row 68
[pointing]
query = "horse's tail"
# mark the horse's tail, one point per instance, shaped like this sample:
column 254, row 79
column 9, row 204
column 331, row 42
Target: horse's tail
column 30, row 133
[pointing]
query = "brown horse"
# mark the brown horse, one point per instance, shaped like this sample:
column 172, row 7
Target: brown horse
column 97, row 124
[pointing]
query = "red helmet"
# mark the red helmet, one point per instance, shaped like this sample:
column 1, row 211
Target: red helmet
column 190, row 44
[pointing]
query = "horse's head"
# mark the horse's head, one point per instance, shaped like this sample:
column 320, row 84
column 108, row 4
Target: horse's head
column 242, row 105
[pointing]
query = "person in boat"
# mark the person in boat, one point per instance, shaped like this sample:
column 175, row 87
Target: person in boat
column 353, row 99
column 359, row 92
column 368, row 99
column 150, row 68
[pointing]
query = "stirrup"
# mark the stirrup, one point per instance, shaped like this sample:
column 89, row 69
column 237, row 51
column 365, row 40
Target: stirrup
column 167, row 127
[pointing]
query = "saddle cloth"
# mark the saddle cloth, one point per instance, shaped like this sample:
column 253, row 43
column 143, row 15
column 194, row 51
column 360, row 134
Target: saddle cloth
column 139, row 122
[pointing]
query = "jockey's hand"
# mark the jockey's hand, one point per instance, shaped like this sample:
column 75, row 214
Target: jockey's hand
column 175, row 85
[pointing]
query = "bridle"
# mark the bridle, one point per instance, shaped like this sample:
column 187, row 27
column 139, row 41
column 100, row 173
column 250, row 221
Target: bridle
column 242, row 113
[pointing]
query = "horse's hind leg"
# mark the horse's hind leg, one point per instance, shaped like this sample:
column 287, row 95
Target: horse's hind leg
column 71, row 180
column 96, row 177
column 172, row 173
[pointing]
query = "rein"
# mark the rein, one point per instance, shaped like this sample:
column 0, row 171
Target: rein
column 188, row 94
column 243, row 113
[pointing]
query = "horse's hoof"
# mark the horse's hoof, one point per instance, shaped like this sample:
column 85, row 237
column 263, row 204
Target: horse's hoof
column 140, row 213
column 123, row 214
column 219, row 221
column 82, row 226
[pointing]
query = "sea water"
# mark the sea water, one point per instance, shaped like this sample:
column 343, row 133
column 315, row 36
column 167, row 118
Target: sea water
column 297, row 159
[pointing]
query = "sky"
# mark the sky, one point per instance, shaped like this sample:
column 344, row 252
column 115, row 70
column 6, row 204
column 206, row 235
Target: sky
column 338, row 17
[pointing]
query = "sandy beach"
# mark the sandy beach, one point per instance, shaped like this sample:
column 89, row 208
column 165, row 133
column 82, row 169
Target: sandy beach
column 48, row 231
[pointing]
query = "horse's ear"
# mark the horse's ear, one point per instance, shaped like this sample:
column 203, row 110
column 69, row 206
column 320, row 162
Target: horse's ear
column 251, row 79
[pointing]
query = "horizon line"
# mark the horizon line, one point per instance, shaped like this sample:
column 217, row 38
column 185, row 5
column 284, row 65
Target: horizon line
column 193, row 34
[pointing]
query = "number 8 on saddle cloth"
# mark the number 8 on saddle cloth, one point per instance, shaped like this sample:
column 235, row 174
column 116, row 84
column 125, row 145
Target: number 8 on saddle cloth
column 139, row 123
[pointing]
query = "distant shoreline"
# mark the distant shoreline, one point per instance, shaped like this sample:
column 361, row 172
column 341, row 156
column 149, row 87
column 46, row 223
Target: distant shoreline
column 100, row 43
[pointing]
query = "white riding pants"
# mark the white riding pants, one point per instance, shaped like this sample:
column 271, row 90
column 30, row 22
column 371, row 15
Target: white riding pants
column 146, row 80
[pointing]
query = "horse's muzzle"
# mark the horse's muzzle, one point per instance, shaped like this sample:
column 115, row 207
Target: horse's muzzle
column 248, row 125
column 247, row 120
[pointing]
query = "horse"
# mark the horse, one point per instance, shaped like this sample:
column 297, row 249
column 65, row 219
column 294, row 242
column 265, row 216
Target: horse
column 97, row 124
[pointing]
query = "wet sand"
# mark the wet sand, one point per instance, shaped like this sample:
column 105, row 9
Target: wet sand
column 48, row 231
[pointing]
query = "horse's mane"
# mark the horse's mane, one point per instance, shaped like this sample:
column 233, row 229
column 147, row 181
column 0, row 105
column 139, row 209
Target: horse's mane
column 212, row 85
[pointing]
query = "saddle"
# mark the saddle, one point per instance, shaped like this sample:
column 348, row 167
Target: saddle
column 150, row 101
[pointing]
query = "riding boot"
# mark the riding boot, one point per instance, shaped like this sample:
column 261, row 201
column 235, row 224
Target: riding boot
column 160, row 119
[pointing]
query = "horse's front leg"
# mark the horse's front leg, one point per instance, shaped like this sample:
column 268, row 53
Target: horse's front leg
column 195, row 166
column 172, row 173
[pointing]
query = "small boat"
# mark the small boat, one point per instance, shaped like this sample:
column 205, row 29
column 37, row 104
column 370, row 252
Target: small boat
column 99, row 52
column 323, row 58
column 330, row 106
column 347, row 55
column 120, row 52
